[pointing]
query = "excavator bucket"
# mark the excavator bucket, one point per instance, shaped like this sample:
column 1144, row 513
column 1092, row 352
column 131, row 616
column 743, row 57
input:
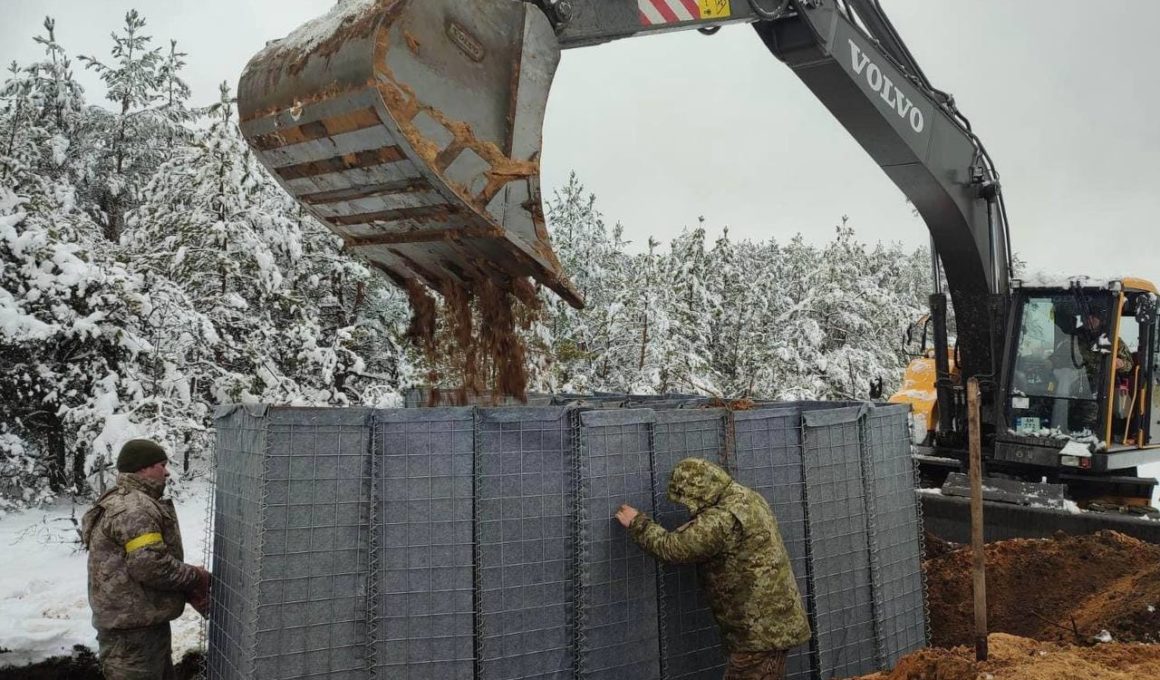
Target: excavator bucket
column 412, row 129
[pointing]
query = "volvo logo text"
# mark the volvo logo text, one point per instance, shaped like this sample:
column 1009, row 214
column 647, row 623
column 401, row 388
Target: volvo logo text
column 886, row 88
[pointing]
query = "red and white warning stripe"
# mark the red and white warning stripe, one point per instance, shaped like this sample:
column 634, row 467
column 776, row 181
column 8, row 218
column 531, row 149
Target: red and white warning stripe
column 653, row 12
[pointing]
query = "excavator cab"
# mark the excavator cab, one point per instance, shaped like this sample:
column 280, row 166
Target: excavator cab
column 1081, row 377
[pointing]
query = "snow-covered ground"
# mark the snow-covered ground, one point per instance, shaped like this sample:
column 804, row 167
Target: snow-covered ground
column 44, row 607
column 1152, row 471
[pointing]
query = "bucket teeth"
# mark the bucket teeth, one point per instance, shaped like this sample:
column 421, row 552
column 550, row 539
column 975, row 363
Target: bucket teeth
column 412, row 129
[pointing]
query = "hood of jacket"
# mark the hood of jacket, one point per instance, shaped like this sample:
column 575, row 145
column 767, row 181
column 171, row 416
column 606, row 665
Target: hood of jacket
column 698, row 484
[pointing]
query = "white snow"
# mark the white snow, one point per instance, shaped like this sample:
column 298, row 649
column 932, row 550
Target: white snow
column 1043, row 279
column 316, row 31
column 1103, row 636
column 1153, row 471
column 44, row 608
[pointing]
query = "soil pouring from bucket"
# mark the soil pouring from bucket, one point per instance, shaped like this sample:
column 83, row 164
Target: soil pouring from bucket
column 413, row 129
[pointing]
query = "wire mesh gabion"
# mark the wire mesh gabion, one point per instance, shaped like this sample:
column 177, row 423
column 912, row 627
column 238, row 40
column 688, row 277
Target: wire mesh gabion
column 474, row 542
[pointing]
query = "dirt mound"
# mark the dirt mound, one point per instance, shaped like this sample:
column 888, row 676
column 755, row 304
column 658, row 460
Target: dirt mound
column 1067, row 589
column 1016, row 658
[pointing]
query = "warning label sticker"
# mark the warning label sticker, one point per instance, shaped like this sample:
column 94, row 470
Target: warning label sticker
column 714, row 9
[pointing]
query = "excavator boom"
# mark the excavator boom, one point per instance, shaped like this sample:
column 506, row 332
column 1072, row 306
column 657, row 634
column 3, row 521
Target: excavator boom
column 413, row 128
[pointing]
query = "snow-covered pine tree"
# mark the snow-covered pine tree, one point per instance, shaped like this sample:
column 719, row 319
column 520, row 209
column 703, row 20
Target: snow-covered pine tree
column 202, row 224
column 69, row 351
column 591, row 255
column 131, row 149
column 273, row 310
column 645, row 331
column 687, row 360
column 174, row 94
column 738, row 345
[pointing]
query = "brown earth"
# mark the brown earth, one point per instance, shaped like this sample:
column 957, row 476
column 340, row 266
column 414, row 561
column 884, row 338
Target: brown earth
column 82, row 665
column 1047, row 601
column 471, row 339
column 1065, row 589
column 1017, row 658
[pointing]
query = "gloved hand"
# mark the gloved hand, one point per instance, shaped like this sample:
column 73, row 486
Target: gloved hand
column 198, row 598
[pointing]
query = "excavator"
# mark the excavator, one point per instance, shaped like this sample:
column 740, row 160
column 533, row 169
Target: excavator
column 413, row 130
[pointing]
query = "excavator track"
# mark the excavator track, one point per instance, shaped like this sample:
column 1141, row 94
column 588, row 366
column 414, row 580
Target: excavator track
column 412, row 129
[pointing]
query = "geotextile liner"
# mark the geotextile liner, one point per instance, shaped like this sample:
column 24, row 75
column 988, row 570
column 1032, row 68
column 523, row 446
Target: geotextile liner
column 480, row 542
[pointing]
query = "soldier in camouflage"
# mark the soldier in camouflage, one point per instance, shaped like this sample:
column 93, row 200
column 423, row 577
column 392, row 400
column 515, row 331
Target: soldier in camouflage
column 138, row 582
column 742, row 562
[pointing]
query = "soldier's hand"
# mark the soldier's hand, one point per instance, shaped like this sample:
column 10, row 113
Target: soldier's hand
column 198, row 598
column 626, row 514
column 200, row 603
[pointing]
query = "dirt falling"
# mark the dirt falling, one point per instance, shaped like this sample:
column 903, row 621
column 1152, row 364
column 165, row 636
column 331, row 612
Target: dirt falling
column 471, row 341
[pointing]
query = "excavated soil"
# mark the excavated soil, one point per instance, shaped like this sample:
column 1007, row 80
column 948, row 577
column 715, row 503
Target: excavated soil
column 1017, row 658
column 471, row 339
column 1050, row 605
column 1066, row 589
column 82, row 665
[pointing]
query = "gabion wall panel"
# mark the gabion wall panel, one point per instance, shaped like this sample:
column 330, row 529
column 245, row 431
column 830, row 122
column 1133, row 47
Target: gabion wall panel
column 690, row 642
column 900, row 602
column 480, row 542
column 841, row 589
column 312, row 614
column 426, row 618
column 524, row 517
column 237, row 530
column 618, row 635
column 767, row 458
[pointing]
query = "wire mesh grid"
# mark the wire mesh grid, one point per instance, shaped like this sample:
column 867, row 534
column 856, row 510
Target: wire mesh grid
column 237, row 527
column 207, row 560
column 897, row 533
column 374, row 552
column 524, row 503
column 767, row 458
column 312, row 583
column 690, row 641
column 618, row 586
column 578, row 543
column 426, row 622
column 490, row 550
column 841, row 577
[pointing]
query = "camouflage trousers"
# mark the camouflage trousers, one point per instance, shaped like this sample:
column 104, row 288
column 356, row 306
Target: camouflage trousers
column 136, row 653
column 756, row 665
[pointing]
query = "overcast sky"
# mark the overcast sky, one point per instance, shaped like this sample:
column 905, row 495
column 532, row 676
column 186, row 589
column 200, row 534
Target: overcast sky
column 668, row 128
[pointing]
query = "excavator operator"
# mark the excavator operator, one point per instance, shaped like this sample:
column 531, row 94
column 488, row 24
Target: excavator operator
column 1092, row 343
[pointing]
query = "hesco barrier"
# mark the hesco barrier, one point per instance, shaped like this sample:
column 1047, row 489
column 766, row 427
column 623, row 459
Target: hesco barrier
column 467, row 542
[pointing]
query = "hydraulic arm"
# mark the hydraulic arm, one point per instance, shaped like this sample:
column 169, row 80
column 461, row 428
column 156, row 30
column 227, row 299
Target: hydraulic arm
column 412, row 128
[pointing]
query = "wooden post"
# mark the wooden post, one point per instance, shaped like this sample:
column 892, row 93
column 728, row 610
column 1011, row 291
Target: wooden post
column 979, row 568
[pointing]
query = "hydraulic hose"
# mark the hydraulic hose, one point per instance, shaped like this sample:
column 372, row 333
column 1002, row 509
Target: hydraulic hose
column 766, row 14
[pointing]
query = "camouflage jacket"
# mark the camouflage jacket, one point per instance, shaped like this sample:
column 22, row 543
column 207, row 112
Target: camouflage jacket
column 136, row 574
column 1092, row 351
column 742, row 562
